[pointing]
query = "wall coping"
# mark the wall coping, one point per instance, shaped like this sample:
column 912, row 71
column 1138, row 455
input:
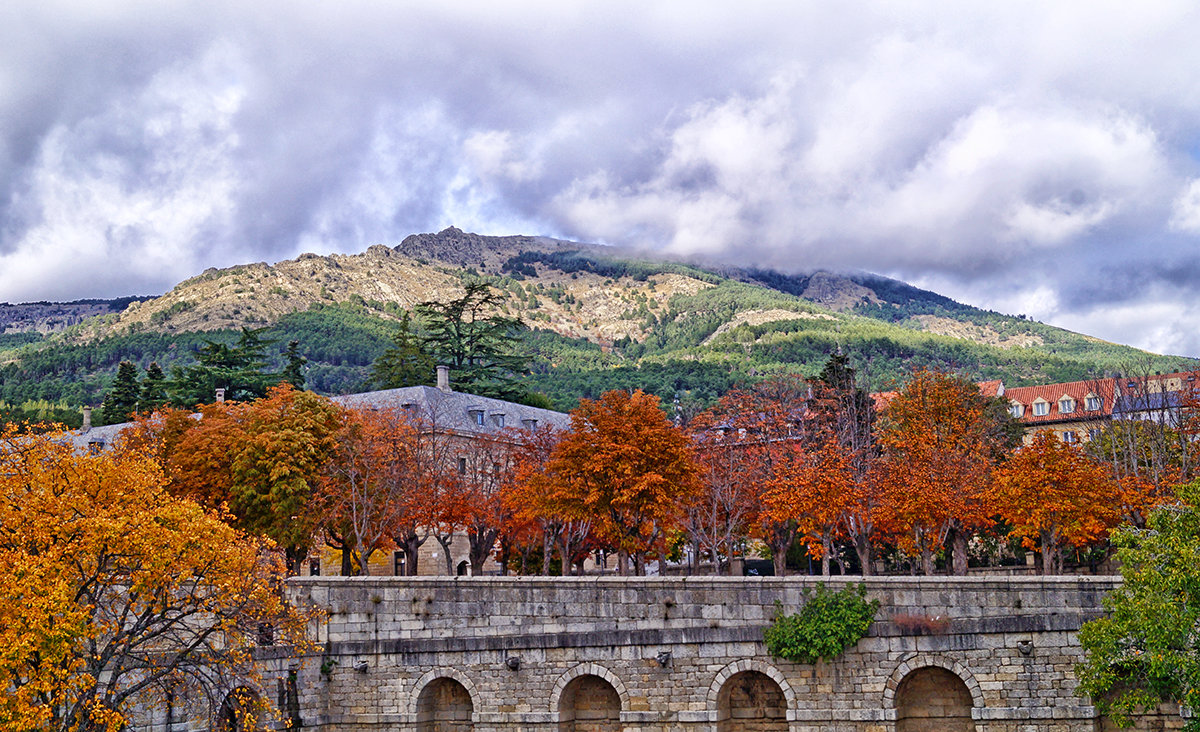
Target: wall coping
column 1096, row 582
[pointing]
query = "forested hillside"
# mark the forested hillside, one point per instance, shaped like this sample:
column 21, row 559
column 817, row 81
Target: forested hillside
column 598, row 320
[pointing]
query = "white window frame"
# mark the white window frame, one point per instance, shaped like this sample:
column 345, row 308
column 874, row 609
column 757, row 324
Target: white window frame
column 1041, row 408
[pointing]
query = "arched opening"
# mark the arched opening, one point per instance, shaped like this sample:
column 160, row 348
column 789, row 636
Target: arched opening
column 444, row 706
column 589, row 704
column 463, row 568
column 242, row 711
column 751, row 701
column 933, row 699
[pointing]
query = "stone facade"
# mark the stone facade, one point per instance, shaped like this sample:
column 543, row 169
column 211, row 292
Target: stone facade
column 656, row 654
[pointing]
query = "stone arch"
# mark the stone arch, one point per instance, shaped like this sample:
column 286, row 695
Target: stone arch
column 589, row 703
column 915, row 661
column 242, row 710
column 760, row 676
column 587, row 669
column 454, row 687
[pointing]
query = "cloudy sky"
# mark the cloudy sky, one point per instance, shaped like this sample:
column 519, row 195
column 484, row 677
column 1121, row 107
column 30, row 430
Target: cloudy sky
column 1030, row 157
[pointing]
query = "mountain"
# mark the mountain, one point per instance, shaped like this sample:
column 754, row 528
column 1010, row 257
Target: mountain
column 602, row 318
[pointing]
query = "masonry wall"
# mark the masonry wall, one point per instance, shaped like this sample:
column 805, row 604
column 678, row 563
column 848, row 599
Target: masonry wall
column 669, row 647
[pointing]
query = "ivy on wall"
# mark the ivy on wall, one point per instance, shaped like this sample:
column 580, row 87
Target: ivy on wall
column 827, row 624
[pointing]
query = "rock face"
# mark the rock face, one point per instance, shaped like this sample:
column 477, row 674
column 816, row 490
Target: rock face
column 837, row 293
column 52, row 317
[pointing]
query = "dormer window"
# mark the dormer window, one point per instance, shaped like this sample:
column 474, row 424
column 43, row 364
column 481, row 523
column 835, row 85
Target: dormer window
column 498, row 419
column 1041, row 408
column 1093, row 403
column 529, row 424
column 476, row 416
column 1017, row 410
column 1066, row 405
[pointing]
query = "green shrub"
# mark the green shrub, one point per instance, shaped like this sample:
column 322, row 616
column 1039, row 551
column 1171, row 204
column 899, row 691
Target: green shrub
column 827, row 624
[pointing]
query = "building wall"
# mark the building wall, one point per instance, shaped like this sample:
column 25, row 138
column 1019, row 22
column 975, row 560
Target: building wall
column 1010, row 643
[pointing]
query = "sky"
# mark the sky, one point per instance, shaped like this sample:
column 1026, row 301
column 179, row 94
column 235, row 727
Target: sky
column 1028, row 157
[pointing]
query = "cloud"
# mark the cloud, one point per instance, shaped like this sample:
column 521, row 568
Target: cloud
column 1027, row 157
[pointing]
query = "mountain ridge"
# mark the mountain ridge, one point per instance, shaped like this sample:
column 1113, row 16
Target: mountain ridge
column 601, row 316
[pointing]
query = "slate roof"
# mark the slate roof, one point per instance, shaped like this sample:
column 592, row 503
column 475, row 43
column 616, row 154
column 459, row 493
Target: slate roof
column 456, row 410
column 100, row 438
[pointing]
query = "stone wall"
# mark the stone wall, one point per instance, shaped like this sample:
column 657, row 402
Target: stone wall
column 686, row 653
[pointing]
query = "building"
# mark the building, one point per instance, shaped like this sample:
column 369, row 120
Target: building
column 459, row 420
column 1075, row 411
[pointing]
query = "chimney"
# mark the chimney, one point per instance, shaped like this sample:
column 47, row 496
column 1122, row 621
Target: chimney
column 443, row 377
column 87, row 419
column 220, row 396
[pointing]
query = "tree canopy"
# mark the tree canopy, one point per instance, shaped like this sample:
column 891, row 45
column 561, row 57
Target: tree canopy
column 113, row 593
column 1144, row 652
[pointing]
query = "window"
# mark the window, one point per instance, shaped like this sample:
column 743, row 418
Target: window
column 462, row 466
column 476, row 416
column 529, row 424
column 398, row 564
column 1093, row 434
column 1066, row 405
column 1041, row 408
column 498, row 419
column 314, row 567
column 1093, row 403
column 1070, row 437
column 1017, row 410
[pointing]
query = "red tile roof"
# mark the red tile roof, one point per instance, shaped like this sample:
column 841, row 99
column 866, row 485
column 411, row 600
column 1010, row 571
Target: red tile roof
column 1077, row 390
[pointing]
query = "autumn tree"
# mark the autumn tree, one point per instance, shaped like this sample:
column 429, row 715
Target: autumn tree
column 530, row 509
column 813, row 487
column 1054, row 495
column 627, row 468
column 365, row 495
column 940, row 439
column 284, row 443
column 261, row 460
column 114, row 594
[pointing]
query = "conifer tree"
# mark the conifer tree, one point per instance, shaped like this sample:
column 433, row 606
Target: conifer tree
column 293, row 372
column 405, row 363
column 122, row 398
column 478, row 343
column 154, row 389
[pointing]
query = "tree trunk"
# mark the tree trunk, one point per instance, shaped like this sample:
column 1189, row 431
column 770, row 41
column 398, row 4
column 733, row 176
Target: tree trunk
column 958, row 548
column 622, row 564
column 826, row 550
column 547, row 552
column 412, row 553
column 927, row 561
column 347, row 560
column 862, row 548
column 445, row 542
column 294, row 556
column 364, row 561
column 482, row 545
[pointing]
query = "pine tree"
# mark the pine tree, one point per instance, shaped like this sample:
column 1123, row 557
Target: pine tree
column 239, row 369
column 405, row 363
column 293, row 372
column 154, row 389
column 122, row 399
column 480, row 346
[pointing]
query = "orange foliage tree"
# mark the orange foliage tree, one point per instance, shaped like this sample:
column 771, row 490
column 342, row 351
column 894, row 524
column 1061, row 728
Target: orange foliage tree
column 940, row 439
column 262, row 460
column 114, row 594
column 530, row 512
column 1052, row 494
column 624, row 466
column 813, row 487
column 366, row 497
column 759, row 425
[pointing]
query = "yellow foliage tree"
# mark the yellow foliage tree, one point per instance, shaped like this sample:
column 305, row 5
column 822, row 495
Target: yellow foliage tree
column 113, row 593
